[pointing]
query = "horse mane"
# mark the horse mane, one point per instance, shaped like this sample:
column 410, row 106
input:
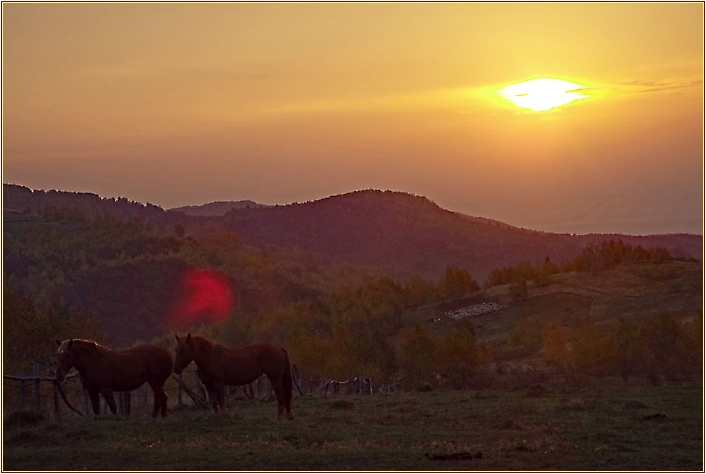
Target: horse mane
column 202, row 346
column 202, row 342
column 86, row 344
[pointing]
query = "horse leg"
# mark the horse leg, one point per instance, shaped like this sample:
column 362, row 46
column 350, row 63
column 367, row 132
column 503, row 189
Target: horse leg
column 107, row 393
column 279, row 393
column 160, row 399
column 288, row 406
column 218, row 396
column 165, row 398
column 95, row 401
column 222, row 399
column 213, row 396
column 283, row 402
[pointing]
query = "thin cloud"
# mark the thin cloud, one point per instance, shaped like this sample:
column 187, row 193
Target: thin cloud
column 658, row 86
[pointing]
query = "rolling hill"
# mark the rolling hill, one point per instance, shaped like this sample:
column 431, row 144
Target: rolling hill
column 303, row 269
column 219, row 208
column 400, row 233
column 632, row 292
column 406, row 235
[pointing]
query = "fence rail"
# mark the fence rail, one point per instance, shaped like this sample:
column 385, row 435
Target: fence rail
column 18, row 389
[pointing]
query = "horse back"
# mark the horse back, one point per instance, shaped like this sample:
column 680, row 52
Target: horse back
column 137, row 365
column 158, row 359
column 243, row 365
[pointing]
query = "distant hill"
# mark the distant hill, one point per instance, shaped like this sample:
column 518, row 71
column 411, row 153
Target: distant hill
column 90, row 206
column 400, row 233
column 216, row 208
column 121, row 261
column 404, row 234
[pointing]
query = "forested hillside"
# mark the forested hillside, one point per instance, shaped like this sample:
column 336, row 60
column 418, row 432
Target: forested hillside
column 128, row 275
column 215, row 208
column 400, row 233
column 409, row 235
column 337, row 276
column 20, row 200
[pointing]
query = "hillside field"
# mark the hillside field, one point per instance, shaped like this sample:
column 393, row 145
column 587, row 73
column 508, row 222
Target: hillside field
column 632, row 291
column 562, row 423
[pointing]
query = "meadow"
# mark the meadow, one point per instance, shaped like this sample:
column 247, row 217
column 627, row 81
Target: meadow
column 564, row 423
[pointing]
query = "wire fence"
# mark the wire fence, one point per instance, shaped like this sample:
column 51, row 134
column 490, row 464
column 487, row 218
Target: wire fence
column 42, row 393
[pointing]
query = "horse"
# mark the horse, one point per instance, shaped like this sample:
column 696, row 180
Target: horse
column 103, row 371
column 219, row 366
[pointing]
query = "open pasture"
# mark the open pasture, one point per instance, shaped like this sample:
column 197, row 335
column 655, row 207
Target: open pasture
column 573, row 423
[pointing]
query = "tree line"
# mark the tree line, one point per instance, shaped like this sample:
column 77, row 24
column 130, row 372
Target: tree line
column 593, row 258
column 343, row 333
column 661, row 346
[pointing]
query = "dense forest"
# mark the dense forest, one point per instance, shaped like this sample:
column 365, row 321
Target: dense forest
column 76, row 265
column 128, row 275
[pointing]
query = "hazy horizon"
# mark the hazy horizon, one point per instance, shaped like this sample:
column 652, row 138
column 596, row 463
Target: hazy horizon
column 186, row 104
column 558, row 231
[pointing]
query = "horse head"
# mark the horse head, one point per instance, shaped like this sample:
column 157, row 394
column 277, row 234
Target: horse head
column 65, row 358
column 185, row 352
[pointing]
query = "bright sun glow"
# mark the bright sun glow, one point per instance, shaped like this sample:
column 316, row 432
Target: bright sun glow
column 542, row 94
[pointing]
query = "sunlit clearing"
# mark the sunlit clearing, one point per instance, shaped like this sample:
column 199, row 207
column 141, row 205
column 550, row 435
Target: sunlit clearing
column 206, row 297
column 542, row 94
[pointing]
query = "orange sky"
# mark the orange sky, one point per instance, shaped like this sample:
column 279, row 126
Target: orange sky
column 181, row 104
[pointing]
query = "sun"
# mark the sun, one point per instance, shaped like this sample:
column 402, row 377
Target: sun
column 542, row 94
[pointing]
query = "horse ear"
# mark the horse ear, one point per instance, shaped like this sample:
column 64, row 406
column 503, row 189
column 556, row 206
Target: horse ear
column 58, row 342
column 188, row 339
column 71, row 343
column 95, row 345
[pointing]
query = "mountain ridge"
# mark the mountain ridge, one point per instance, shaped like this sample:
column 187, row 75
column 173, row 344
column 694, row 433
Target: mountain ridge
column 216, row 208
column 401, row 233
column 405, row 234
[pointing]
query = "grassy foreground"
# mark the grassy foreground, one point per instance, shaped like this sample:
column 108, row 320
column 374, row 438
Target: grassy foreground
column 570, row 424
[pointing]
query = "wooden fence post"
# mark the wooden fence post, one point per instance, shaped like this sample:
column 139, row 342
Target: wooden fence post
column 37, row 397
column 21, row 396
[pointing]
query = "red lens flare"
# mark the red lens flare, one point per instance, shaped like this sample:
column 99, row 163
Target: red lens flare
column 206, row 297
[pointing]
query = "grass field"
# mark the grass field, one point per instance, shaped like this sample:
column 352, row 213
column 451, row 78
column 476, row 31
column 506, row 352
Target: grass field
column 572, row 423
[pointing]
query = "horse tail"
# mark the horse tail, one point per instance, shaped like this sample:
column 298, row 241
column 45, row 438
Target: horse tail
column 287, row 378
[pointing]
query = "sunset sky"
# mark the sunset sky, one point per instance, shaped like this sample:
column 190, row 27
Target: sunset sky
column 183, row 104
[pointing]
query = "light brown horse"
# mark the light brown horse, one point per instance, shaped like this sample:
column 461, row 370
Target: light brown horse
column 103, row 371
column 220, row 366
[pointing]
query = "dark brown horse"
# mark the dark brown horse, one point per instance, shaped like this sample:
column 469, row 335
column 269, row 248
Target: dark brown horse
column 104, row 371
column 220, row 366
